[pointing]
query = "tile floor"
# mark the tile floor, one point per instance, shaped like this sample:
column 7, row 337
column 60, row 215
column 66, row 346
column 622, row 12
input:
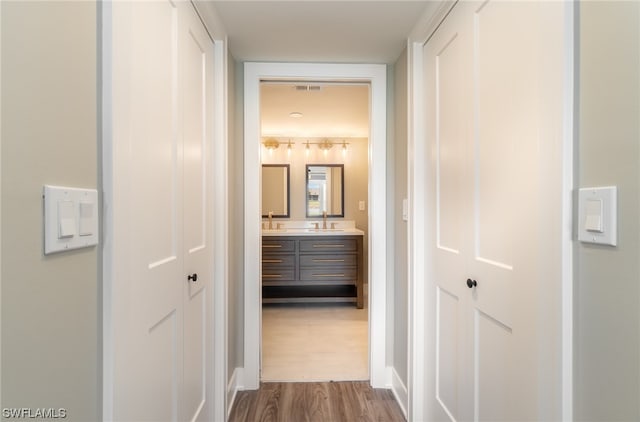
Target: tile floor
column 314, row 342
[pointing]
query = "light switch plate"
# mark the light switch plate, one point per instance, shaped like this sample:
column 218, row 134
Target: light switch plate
column 70, row 218
column 597, row 215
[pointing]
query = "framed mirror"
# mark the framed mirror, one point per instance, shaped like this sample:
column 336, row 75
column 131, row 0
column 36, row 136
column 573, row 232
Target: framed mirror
column 325, row 190
column 275, row 190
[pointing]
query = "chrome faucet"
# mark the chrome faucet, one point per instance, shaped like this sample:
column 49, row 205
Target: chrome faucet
column 270, row 220
column 324, row 220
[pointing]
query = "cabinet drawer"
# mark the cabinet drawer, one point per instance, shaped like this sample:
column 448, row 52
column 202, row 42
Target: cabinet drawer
column 278, row 261
column 277, row 275
column 328, row 275
column 270, row 246
column 325, row 260
column 324, row 245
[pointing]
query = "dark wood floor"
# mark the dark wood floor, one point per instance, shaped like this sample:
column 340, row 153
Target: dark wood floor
column 316, row 402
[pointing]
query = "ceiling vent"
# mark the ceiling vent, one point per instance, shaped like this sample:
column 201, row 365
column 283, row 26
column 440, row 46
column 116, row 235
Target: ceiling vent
column 307, row 87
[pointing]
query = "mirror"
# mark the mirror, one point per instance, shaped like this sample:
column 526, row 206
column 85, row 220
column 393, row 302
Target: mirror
column 275, row 190
column 325, row 190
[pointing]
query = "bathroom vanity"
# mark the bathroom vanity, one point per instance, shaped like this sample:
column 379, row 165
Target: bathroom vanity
column 312, row 265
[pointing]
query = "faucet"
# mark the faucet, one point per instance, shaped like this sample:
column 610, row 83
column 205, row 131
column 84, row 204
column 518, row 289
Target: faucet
column 324, row 220
column 270, row 220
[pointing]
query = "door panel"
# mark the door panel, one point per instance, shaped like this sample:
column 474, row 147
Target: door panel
column 493, row 385
column 446, row 61
column 197, row 99
column 448, row 351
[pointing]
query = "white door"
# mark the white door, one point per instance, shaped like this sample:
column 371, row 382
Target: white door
column 485, row 76
column 161, row 206
column 196, row 53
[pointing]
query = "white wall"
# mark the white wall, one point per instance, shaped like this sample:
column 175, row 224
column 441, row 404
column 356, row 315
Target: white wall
column 51, row 329
column 607, row 288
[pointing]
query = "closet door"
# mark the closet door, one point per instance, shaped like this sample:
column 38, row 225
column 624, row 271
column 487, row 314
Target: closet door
column 447, row 82
column 161, row 201
column 196, row 61
column 486, row 81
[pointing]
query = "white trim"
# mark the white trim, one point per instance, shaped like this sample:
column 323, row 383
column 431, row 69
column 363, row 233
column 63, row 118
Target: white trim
column 417, row 385
column 399, row 391
column 106, row 92
column 1, row 207
column 568, row 169
column 376, row 76
column 218, row 395
column 232, row 390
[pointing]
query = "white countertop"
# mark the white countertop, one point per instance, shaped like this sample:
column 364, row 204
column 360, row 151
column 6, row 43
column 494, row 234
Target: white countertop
column 308, row 228
column 313, row 232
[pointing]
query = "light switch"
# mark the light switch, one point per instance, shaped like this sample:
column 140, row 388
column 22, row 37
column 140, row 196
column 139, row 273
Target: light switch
column 86, row 219
column 66, row 219
column 70, row 218
column 597, row 215
column 361, row 205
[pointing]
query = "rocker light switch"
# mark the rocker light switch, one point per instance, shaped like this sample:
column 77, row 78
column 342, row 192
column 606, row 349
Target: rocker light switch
column 597, row 215
column 66, row 219
column 593, row 221
column 86, row 219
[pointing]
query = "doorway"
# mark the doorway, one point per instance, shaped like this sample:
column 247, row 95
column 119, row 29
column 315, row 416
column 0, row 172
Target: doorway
column 375, row 76
column 314, row 149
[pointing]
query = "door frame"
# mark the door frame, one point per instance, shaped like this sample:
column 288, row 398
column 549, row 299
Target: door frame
column 375, row 75
column 421, row 301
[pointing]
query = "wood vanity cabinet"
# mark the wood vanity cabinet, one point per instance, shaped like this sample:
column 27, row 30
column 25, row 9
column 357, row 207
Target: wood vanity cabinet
column 312, row 269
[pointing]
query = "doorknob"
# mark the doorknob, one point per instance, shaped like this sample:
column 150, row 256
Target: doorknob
column 193, row 277
column 471, row 283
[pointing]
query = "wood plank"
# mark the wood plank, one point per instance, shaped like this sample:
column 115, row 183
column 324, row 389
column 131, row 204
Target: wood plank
column 316, row 402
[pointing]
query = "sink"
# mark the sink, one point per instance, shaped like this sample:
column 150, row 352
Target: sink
column 325, row 230
column 274, row 230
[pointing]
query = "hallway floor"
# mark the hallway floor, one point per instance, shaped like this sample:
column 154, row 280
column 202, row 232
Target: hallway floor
column 316, row 402
column 314, row 342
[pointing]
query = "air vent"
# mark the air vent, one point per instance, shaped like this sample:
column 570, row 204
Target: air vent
column 307, row 87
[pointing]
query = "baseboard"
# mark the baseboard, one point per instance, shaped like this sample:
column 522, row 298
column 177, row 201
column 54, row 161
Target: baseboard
column 234, row 385
column 399, row 390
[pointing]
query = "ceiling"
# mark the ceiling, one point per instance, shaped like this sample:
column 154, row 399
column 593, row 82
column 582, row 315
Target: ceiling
column 327, row 31
column 359, row 31
column 328, row 110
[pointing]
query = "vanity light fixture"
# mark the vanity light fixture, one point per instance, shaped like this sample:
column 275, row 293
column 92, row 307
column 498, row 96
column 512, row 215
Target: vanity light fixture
column 344, row 148
column 307, row 150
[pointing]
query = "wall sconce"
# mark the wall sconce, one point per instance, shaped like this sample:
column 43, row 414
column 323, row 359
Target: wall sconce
column 325, row 145
column 271, row 144
column 289, row 147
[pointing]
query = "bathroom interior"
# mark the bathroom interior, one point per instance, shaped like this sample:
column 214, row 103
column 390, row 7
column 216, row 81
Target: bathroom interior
column 314, row 207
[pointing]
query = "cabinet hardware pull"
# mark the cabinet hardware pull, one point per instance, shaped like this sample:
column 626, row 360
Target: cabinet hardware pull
column 271, row 246
column 328, row 246
column 193, row 277
column 327, row 275
column 272, row 261
column 272, row 275
column 328, row 260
